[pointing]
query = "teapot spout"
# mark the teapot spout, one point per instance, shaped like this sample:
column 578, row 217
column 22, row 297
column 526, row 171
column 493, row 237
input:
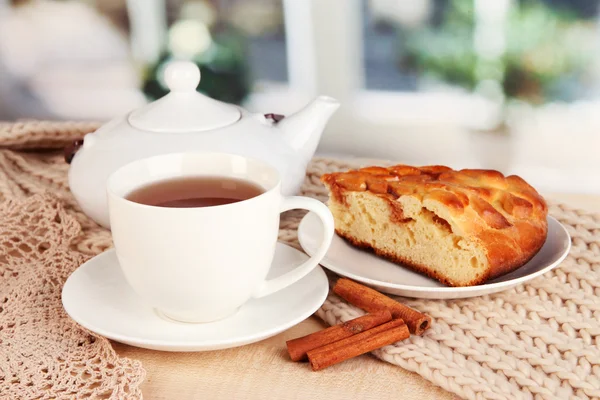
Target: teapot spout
column 302, row 130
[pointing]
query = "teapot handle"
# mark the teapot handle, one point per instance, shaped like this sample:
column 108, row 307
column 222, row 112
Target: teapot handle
column 71, row 149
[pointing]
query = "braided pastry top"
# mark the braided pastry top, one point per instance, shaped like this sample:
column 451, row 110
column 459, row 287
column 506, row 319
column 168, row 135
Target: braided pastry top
column 505, row 214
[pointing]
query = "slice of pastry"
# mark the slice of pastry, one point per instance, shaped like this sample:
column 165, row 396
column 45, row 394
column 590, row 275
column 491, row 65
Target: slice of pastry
column 460, row 227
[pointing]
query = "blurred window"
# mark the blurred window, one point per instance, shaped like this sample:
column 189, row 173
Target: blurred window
column 259, row 22
column 531, row 50
column 418, row 79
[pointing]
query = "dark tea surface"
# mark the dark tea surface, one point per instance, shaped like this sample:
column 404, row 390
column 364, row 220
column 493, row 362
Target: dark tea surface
column 197, row 191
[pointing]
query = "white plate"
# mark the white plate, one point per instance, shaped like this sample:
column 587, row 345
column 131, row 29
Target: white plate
column 97, row 297
column 385, row 276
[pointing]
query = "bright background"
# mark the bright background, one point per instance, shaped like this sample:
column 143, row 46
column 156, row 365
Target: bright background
column 506, row 84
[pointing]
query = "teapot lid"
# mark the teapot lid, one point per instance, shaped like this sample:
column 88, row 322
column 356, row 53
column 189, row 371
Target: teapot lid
column 183, row 109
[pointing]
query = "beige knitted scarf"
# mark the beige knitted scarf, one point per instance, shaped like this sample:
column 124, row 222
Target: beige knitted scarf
column 540, row 340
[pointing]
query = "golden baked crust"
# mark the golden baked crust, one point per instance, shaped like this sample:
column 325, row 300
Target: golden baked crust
column 479, row 211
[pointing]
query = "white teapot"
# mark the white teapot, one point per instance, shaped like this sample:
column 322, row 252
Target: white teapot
column 186, row 120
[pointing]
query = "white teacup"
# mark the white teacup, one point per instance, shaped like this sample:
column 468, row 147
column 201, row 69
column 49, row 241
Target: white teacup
column 201, row 264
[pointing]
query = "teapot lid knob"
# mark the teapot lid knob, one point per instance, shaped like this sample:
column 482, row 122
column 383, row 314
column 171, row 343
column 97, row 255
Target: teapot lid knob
column 183, row 109
column 182, row 76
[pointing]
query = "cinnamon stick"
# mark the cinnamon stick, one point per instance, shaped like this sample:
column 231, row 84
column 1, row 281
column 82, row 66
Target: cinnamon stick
column 372, row 301
column 297, row 348
column 358, row 344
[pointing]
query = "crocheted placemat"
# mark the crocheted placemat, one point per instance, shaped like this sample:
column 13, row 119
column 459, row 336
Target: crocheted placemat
column 44, row 353
column 538, row 340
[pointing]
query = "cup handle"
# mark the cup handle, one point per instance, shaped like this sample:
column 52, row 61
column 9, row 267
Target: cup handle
column 306, row 203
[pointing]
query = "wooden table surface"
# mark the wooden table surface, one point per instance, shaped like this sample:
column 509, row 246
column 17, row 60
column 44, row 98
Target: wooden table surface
column 263, row 370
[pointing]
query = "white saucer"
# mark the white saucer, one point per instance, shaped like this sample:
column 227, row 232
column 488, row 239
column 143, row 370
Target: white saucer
column 385, row 276
column 97, row 297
